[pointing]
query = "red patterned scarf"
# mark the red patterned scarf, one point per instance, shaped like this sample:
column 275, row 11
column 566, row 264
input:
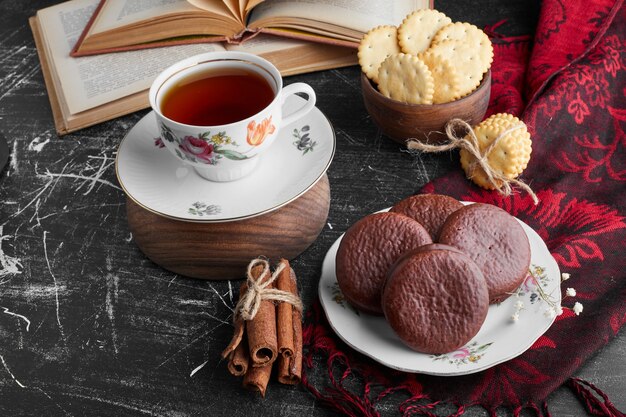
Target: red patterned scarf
column 568, row 84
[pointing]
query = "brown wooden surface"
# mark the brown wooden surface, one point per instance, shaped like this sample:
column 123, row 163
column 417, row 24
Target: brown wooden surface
column 219, row 251
column 401, row 121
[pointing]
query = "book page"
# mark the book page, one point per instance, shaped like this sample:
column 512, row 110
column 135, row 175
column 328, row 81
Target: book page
column 352, row 14
column 117, row 13
column 227, row 8
column 91, row 81
column 242, row 9
column 251, row 4
column 261, row 44
column 233, row 6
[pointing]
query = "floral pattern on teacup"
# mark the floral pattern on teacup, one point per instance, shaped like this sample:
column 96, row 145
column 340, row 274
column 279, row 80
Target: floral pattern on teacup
column 471, row 353
column 198, row 149
column 158, row 142
column 206, row 148
column 257, row 132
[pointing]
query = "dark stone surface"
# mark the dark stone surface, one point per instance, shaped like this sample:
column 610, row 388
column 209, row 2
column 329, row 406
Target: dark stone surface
column 4, row 152
column 92, row 327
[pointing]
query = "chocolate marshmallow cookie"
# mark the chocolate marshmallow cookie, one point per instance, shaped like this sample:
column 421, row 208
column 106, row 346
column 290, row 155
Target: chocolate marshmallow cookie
column 435, row 299
column 366, row 252
column 430, row 210
column 495, row 241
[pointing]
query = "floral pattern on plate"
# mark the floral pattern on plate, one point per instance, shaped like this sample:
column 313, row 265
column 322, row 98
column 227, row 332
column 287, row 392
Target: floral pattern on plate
column 340, row 299
column 536, row 276
column 470, row 353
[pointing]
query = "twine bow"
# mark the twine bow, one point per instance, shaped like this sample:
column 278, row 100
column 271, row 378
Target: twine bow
column 259, row 289
column 469, row 142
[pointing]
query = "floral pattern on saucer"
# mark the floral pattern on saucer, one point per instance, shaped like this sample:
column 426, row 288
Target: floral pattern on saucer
column 303, row 141
column 204, row 148
column 203, row 209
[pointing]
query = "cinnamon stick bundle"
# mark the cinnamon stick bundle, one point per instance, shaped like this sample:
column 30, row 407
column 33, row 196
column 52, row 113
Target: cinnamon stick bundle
column 268, row 326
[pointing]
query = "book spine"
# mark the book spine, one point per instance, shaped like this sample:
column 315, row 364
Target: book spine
column 242, row 36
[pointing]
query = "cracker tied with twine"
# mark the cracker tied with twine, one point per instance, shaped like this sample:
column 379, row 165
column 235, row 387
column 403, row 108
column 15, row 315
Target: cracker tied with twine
column 268, row 327
column 493, row 153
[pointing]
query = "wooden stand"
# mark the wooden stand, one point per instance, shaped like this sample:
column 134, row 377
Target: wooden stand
column 219, row 251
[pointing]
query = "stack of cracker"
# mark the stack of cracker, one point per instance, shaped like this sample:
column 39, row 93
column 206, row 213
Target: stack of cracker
column 503, row 140
column 427, row 59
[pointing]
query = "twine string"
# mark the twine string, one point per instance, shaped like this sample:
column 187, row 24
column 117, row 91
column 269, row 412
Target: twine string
column 259, row 290
column 469, row 142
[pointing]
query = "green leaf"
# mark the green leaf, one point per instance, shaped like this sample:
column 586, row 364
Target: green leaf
column 234, row 155
column 483, row 347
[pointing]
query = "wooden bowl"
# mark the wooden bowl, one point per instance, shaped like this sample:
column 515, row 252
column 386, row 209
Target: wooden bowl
column 425, row 122
column 219, row 251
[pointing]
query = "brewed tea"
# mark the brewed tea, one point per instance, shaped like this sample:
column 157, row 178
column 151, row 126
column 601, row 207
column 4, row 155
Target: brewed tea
column 217, row 97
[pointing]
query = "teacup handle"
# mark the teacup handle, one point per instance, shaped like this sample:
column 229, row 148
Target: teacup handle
column 310, row 103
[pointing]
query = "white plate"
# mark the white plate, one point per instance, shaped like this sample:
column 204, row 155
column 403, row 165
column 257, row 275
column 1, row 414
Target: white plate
column 159, row 182
column 499, row 339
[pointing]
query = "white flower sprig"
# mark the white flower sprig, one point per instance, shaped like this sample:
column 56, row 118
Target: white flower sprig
column 571, row 292
column 554, row 309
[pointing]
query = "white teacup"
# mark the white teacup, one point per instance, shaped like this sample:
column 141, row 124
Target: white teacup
column 229, row 151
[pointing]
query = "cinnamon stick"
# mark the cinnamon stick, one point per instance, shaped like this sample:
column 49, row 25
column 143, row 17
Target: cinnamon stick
column 284, row 326
column 289, row 331
column 238, row 360
column 296, row 361
column 239, row 330
column 257, row 378
column 261, row 331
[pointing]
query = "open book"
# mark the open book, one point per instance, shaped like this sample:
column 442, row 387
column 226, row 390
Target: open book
column 88, row 90
column 119, row 25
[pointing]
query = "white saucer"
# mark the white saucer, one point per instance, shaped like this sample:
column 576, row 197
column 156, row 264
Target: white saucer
column 153, row 178
column 498, row 340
